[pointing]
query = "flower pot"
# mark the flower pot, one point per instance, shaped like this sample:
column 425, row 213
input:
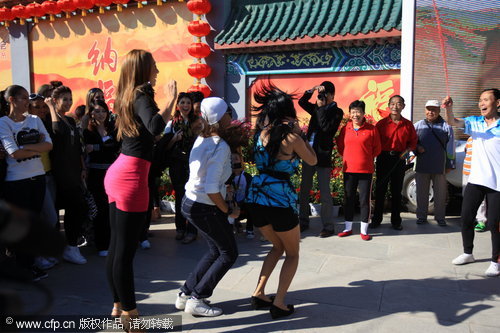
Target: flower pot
column 167, row 206
column 315, row 209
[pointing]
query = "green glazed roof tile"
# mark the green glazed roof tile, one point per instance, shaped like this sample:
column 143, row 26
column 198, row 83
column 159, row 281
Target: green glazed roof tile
column 264, row 20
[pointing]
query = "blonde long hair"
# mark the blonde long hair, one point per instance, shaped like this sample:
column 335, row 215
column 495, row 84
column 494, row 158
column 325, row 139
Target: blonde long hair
column 135, row 72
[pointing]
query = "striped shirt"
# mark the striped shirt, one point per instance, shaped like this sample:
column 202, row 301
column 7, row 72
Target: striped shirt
column 468, row 157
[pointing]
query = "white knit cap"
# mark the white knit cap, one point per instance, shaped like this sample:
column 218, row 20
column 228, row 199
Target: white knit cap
column 433, row 102
column 213, row 109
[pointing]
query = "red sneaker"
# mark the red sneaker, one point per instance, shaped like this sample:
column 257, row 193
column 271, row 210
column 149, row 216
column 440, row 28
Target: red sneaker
column 345, row 233
column 366, row 237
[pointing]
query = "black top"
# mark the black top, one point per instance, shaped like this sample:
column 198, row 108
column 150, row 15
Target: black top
column 324, row 122
column 105, row 148
column 66, row 153
column 150, row 123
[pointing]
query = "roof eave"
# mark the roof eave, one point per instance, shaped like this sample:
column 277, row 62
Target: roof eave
column 392, row 35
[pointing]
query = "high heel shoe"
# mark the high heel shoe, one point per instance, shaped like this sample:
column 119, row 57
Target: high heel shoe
column 278, row 312
column 259, row 303
column 116, row 312
column 130, row 323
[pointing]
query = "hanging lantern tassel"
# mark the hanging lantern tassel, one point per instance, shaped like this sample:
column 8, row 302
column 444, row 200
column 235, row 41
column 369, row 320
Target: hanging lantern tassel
column 139, row 4
column 35, row 19
column 21, row 21
column 84, row 12
column 159, row 3
column 101, row 10
column 119, row 7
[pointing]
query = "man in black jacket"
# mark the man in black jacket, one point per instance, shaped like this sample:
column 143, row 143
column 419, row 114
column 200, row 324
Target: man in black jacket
column 326, row 117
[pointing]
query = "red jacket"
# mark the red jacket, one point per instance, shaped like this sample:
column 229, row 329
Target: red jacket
column 359, row 148
column 397, row 137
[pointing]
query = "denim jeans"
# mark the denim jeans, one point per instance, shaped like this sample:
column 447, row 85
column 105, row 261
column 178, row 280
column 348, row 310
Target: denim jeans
column 223, row 252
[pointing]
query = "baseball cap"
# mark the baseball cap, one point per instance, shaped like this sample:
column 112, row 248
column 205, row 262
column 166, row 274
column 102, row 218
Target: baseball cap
column 433, row 102
column 213, row 109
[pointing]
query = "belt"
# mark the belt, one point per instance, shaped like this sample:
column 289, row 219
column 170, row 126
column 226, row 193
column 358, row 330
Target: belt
column 392, row 152
column 276, row 174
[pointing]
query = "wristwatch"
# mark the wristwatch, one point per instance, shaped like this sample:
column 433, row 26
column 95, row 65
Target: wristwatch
column 229, row 211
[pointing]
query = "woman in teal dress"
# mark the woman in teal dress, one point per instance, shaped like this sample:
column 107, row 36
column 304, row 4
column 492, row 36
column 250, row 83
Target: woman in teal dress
column 273, row 201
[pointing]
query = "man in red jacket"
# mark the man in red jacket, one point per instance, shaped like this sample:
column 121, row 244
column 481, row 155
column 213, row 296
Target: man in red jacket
column 398, row 137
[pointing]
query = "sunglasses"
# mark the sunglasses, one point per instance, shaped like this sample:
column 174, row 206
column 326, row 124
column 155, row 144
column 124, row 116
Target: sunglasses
column 35, row 96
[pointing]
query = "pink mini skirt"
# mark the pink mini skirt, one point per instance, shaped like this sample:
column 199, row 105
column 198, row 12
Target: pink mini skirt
column 126, row 183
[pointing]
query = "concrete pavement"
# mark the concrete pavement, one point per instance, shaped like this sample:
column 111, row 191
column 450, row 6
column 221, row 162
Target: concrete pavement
column 401, row 281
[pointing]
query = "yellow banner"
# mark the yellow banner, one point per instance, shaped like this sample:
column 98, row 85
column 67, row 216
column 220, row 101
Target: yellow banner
column 5, row 64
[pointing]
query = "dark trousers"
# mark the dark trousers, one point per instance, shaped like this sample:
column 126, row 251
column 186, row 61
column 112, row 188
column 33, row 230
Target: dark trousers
column 71, row 200
column 27, row 194
column 95, row 183
column 125, row 230
column 353, row 182
column 473, row 196
column 179, row 175
column 223, row 252
column 389, row 169
column 154, row 201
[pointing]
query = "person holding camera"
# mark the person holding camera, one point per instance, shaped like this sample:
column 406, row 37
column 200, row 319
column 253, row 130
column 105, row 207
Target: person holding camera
column 326, row 117
column 24, row 138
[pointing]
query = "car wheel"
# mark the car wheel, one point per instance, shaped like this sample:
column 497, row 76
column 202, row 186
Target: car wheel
column 410, row 193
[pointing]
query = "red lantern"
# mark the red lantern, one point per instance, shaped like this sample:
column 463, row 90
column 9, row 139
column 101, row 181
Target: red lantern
column 199, row 71
column 6, row 15
column 67, row 6
column 102, row 3
column 35, row 10
column 199, row 7
column 199, row 28
column 119, row 4
column 20, row 12
column 199, row 50
column 204, row 89
column 51, row 8
column 84, row 5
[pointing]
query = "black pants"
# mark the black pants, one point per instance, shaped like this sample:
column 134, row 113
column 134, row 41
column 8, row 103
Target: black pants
column 95, row 183
column 473, row 196
column 125, row 230
column 71, row 200
column 154, row 201
column 389, row 169
column 27, row 194
column 179, row 175
column 223, row 252
column 353, row 181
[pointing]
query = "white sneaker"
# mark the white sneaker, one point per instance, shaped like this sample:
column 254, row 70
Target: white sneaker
column 145, row 245
column 198, row 307
column 43, row 264
column 493, row 270
column 103, row 253
column 180, row 302
column 464, row 258
column 73, row 255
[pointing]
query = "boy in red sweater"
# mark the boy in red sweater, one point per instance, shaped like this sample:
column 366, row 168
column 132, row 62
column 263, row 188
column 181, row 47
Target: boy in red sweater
column 359, row 144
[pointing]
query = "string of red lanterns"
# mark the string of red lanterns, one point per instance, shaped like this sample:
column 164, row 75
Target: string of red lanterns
column 199, row 50
column 52, row 7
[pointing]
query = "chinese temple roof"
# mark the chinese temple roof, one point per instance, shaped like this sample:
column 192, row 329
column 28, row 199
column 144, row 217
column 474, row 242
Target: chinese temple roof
column 300, row 23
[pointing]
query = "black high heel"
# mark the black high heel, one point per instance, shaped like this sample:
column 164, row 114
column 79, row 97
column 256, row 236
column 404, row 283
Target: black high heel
column 278, row 312
column 259, row 303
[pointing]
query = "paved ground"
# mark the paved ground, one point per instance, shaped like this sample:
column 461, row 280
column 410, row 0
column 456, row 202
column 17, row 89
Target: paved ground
column 398, row 282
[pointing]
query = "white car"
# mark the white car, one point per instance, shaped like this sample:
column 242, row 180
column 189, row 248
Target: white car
column 454, row 178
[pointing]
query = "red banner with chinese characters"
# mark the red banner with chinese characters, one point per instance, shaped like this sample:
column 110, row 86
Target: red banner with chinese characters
column 86, row 52
column 374, row 88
